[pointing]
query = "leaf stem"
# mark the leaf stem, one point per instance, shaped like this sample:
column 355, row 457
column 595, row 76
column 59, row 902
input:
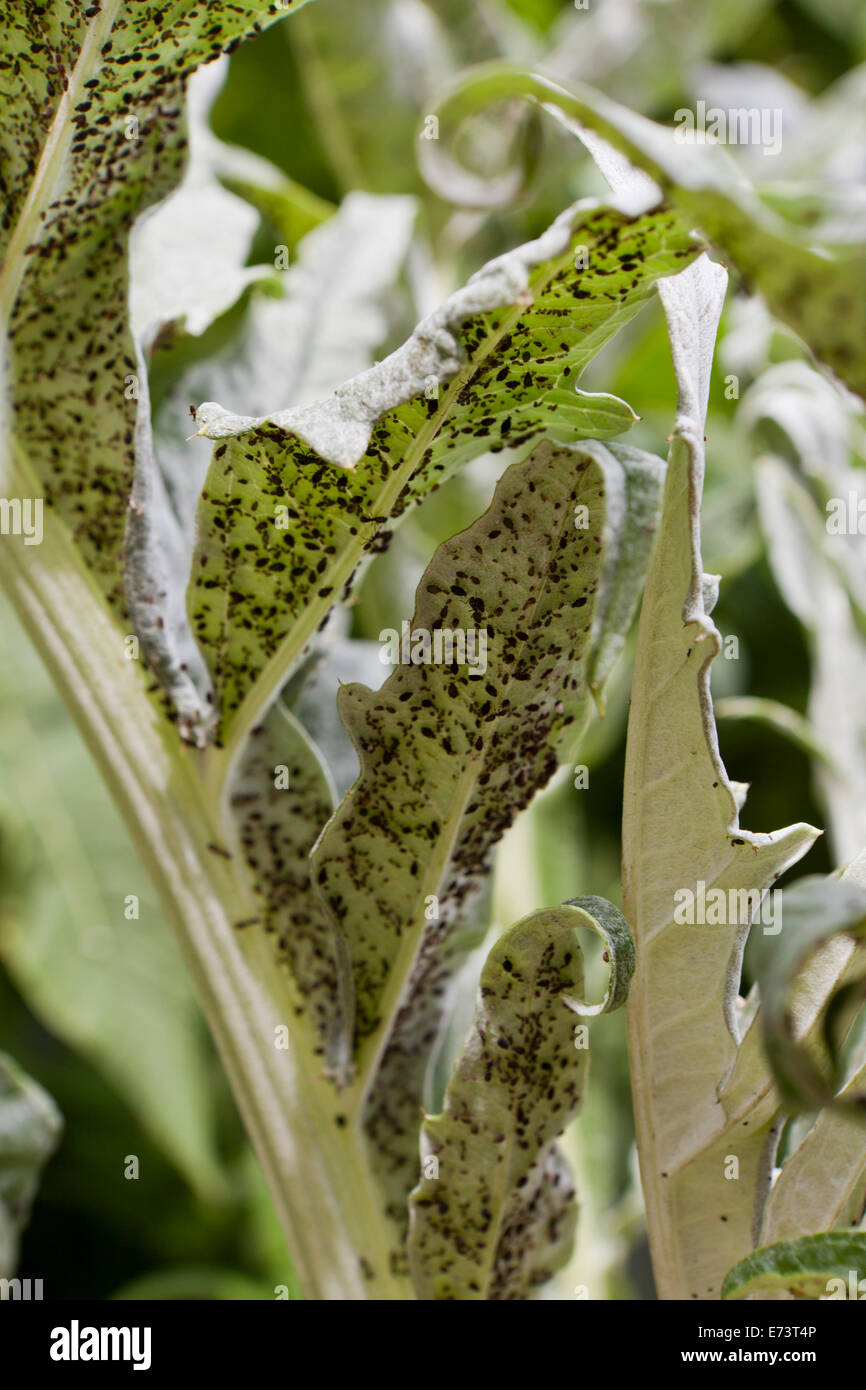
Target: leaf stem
column 314, row 1164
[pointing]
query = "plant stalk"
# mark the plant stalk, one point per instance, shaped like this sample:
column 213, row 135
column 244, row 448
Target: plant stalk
column 314, row 1163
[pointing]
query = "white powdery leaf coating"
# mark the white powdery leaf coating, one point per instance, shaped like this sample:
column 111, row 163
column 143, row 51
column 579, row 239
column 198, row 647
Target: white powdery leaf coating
column 326, row 328
column 186, row 256
column 339, row 428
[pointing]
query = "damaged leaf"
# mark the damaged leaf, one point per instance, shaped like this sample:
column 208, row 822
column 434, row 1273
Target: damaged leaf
column 493, row 1214
column 295, row 500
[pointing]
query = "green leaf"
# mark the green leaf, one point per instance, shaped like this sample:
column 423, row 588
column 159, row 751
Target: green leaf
column 292, row 210
column 493, row 367
column 814, row 910
column 155, row 565
column 451, row 752
column 636, row 61
column 802, row 556
column 366, row 77
column 823, row 1181
column 701, row 1088
column 811, row 286
column 30, row 1128
column 326, row 324
column 340, row 662
column 812, row 429
column 281, row 797
column 803, row 1268
column 92, row 135
column 781, row 718
column 493, row 1215
column 408, row 850
column 199, row 1283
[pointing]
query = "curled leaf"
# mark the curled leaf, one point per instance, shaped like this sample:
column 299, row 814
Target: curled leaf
column 493, row 1213
column 813, row 286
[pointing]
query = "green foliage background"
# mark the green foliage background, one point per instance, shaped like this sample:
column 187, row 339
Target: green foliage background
column 334, row 97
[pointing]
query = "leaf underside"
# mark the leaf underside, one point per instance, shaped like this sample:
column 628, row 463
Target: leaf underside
column 702, row 1093
column 812, row 286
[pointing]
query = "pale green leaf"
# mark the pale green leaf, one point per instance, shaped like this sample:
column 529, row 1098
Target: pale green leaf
column 802, row 556
column 402, row 862
column 325, row 325
column 823, row 1182
column 367, row 75
column 645, row 54
column 774, row 715
column 341, row 662
column 280, row 797
column 700, row 1096
column 815, row 909
column 187, row 256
